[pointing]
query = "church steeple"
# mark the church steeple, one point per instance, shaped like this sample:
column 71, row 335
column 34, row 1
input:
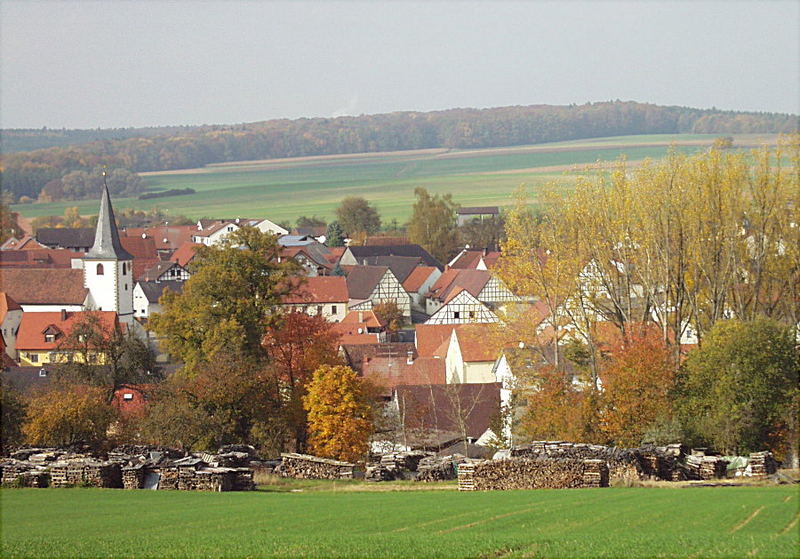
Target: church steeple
column 106, row 238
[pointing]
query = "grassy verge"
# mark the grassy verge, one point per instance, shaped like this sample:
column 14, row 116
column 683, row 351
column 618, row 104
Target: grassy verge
column 615, row 522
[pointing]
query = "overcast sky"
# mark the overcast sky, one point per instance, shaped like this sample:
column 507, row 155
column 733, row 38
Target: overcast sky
column 118, row 63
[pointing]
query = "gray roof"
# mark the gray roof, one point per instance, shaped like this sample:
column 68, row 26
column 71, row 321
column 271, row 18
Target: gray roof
column 28, row 379
column 361, row 253
column 295, row 240
column 65, row 238
column 362, row 280
column 401, row 266
column 479, row 210
column 106, row 239
column 153, row 290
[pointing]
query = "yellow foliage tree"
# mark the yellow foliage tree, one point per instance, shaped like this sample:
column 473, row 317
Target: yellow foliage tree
column 339, row 414
column 79, row 414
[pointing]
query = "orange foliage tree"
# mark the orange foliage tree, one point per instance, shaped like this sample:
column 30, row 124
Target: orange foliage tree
column 340, row 417
column 296, row 347
column 555, row 408
column 79, row 414
column 637, row 380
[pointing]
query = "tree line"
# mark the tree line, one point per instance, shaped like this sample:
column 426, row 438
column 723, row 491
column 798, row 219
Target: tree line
column 26, row 173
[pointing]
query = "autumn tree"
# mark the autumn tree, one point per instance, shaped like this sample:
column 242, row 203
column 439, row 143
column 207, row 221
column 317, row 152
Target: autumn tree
column 339, row 414
column 486, row 233
column 390, row 314
column 102, row 355
column 13, row 412
column 356, row 215
column 297, row 345
column 226, row 401
column 79, row 415
column 433, row 224
column 739, row 390
column 638, row 383
column 9, row 225
column 229, row 302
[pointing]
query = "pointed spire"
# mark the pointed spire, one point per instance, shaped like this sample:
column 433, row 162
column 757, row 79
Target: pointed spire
column 106, row 237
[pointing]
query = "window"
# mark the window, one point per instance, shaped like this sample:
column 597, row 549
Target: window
column 92, row 358
column 49, row 338
column 319, row 309
column 42, row 372
column 34, row 357
column 472, row 314
column 456, row 314
column 100, row 271
column 333, row 309
column 127, row 396
column 124, row 268
column 126, row 287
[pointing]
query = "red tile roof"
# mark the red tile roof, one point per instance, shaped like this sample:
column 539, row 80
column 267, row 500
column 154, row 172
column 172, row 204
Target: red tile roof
column 475, row 342
column 320, row 289
column 185, row 253
column 471, row 280
column 32, row 328
column 7, row 304
column 430, row 337
column 38, row 258
column 364, row 318
column 44, row 286
column 166, row 237
column 25, row 243
column 418, row 276
column 390, row 372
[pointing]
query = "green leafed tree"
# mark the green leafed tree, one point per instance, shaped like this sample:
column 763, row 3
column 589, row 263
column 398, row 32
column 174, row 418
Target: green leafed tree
column 334, row 236
column 229, row 301
column 433, row 224
column 356, row 215
column 740, row 388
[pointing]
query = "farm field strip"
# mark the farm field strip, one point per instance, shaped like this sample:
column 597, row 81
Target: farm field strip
column 284, row 189
column 636, row 522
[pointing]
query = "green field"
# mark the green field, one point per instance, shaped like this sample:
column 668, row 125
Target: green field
column 285, row 189
column 619, row 522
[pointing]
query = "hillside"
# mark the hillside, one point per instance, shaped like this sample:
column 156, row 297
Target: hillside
column 27, row 173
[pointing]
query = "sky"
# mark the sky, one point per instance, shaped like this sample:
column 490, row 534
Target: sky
column 121, row 63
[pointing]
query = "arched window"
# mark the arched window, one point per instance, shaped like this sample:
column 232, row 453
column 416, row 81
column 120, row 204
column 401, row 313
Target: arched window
column 100, row 270
column 124, row 268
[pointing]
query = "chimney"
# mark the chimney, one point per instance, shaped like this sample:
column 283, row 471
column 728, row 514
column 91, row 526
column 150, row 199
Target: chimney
column 410, row 358
column 63, row 315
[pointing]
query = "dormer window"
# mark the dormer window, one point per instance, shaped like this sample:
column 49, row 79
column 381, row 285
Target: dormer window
column 100, row 270
column 49, row 338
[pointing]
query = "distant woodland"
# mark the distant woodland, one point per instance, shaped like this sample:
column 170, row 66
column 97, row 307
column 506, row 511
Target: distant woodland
column 49, row 173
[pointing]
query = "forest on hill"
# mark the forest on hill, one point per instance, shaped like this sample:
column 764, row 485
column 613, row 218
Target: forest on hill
column 49, row 173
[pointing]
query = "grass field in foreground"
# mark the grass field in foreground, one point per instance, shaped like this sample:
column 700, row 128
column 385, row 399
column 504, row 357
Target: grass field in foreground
column 287, row 188
column 619, row 522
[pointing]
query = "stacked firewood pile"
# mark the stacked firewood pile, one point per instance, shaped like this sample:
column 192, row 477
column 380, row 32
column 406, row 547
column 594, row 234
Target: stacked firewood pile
column 664, row 463
column 533, row 473
column 762, row 464
column 439, row 468
column 165, row 468
column 305, row 466
column 395, row 465
column 713, row 467
column 18, row 473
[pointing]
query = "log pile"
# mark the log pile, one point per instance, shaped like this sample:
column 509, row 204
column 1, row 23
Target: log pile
column 378, row 472
column 305, row 466
column 133, row 476
column 713, row 467
column 762, row 464
column 18, row 473
column 533, row 473
column 435, row 468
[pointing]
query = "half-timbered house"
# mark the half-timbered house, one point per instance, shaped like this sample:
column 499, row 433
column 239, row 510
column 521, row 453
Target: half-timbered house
column 372, row 285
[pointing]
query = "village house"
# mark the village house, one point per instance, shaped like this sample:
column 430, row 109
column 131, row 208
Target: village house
column 165, row 271
column 315, row 258
column 360, row 328
column 467, row 215
column 185, row 254
column 461, row 307
column 320, row 295
column 79, row 239
column 418, row 283
column 25, row 243
column 130, row 399
column 167, row 238
column 481, row 285
column 46, row 289
column 40, row 258
column 355, row 355
column 359, row 255
column 10, row 318
column 41, row 336
column 372, row 285
column 469, row 259
column 470, row 355
column 213, row 232
column 146, row 296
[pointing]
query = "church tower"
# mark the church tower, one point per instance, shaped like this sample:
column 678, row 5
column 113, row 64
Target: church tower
column 107, row 267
